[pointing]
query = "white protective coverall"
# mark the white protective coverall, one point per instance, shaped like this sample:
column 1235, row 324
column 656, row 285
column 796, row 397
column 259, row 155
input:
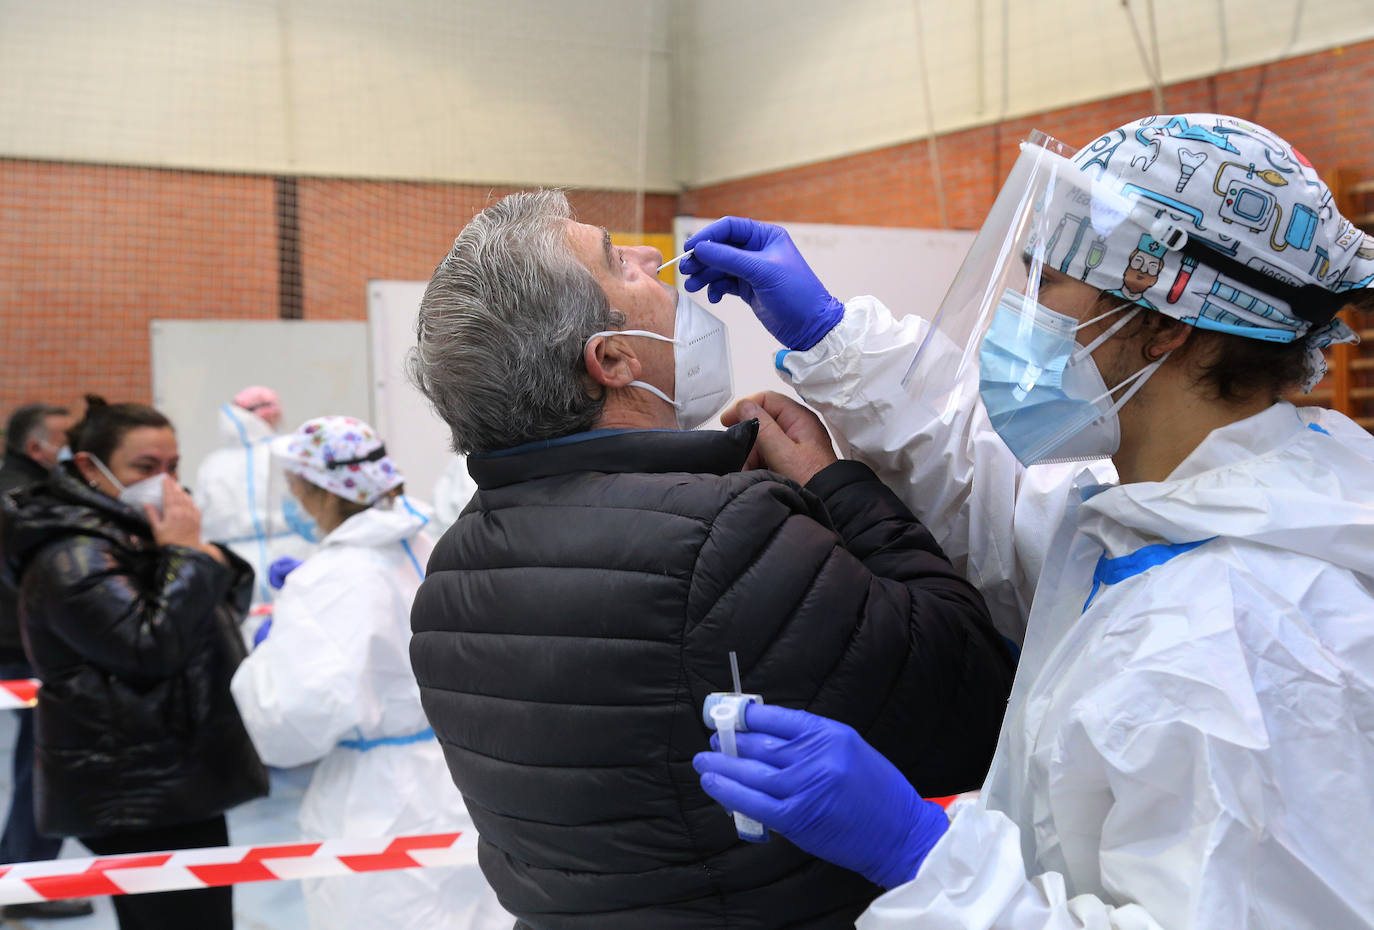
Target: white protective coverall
column 332, row 681
column 233, row 491
column 1189, row 742
column 452, row 491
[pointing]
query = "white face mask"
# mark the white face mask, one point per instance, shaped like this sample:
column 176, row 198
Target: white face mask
column 702, row 378
column 147, row 491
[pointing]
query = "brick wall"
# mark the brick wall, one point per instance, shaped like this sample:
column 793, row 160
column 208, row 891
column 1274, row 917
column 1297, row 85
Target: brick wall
column 1320, row 103
column 353, row 231
column 89, row 254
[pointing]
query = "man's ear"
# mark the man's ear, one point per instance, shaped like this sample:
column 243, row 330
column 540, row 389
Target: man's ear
column 611, row 361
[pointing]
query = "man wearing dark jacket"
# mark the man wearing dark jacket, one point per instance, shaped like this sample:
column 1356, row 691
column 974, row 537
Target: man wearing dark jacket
column 34, row 436
column 580, row 610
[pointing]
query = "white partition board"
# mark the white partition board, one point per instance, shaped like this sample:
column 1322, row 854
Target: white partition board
column 317, row 368
column 415, row 436
column 909, row 269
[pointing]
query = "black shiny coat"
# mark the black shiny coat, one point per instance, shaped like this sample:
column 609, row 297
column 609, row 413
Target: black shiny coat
column 580, row 610
column 135, row 645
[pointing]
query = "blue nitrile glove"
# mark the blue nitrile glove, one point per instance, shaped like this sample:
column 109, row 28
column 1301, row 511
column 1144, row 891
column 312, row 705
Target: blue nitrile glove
column 262, row 632
column 280, row 568
column 818, row 783
column 759, row 264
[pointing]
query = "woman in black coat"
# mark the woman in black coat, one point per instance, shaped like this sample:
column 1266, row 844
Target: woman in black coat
column 130, row 620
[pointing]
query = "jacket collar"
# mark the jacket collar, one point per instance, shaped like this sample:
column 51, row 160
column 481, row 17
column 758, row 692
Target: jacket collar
column 63, row 506
column 20, row 464
column 711, row 452
column 65, row 484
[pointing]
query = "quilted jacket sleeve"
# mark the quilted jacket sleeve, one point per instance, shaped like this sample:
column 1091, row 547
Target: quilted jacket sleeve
column 838, row 601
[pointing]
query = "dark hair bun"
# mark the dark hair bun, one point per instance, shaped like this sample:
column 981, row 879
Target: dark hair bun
column 95, row 402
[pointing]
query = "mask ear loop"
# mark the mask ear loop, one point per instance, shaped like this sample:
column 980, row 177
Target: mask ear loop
column 1108, row 333
column 1135, row 381
column 639, row 384
column 108, row 474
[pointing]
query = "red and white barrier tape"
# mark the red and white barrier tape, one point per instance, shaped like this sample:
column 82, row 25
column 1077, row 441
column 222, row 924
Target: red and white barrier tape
column 179, row 870
column 18, row 693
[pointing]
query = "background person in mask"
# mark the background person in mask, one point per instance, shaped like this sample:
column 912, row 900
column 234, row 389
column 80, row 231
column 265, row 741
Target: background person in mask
column 35, row 437
column 1190, row 740
column 332, row 682
column 131, row 622
column 579, row 612
column 239, row 502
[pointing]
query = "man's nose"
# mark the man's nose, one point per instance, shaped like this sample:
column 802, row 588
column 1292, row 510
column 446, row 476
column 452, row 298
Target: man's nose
column 648, row 256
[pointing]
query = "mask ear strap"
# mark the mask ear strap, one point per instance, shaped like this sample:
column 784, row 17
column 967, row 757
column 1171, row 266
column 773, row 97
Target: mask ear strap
column 107, row 473
column 1109, row 332
column 1136, row 382
column 655, row 391
column 1103, row 316
column 627, row 332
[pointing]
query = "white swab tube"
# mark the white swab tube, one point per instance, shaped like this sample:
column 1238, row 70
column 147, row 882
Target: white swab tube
column 673, row 261
column 726, row 717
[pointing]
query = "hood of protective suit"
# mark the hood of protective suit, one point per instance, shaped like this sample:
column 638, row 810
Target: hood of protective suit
column 238, row 426
column 379, row 525
column 1294, row 479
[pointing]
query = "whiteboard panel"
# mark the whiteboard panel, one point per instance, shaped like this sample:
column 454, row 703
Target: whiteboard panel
column 909, row 269
column 317, row 368
column 415, row 436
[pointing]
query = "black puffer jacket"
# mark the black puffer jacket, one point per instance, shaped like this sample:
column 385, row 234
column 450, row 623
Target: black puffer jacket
column 17, row 472
column 135, row 646
column 580, row 610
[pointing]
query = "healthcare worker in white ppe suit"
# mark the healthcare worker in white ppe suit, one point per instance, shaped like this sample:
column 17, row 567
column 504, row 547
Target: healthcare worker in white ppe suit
column 452, row 492
column 332, row 681
column 240, row 503
column 1189, row 742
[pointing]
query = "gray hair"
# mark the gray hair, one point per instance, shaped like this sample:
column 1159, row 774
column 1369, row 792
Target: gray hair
column 502, row 326
column 30, row 422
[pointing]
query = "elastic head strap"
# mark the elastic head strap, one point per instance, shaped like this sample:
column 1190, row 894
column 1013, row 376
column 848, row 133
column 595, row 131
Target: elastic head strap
column 376, row 455
column 1310, row 302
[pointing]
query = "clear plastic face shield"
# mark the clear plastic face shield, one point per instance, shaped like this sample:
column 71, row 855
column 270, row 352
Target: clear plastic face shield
column 286, row 516
column 1009, row 327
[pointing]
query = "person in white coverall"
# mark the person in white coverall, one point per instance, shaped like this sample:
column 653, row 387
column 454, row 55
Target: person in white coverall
column 452, row 492
column 332, row 681
column 1189, row 742
column 234, row 488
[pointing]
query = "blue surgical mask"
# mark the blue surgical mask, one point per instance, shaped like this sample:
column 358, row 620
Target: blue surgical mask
column 1043, row 393
column 301, row 522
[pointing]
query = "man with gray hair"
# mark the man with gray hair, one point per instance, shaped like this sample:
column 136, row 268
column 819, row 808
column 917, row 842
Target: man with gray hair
column 578, row 613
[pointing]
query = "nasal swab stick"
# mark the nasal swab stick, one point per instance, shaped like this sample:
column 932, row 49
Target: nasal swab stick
column 673, row 261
